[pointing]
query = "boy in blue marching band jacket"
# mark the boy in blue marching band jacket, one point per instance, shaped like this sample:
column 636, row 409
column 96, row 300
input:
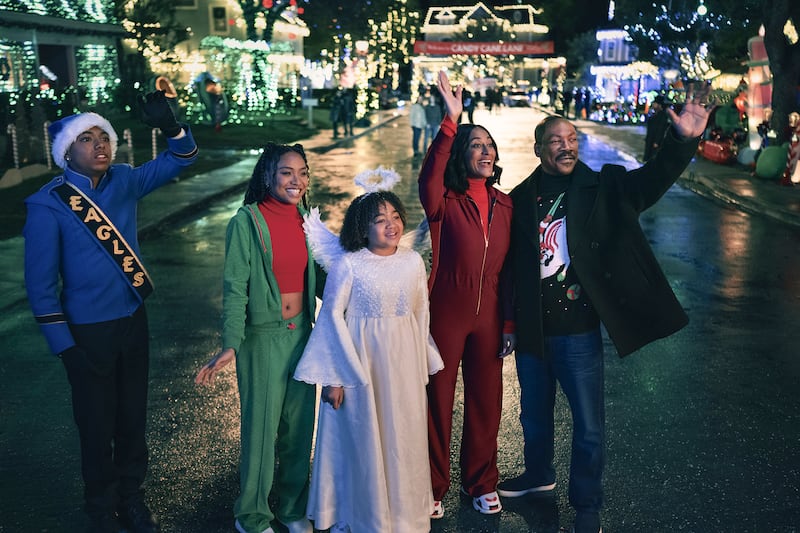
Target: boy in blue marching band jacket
column 87, row 285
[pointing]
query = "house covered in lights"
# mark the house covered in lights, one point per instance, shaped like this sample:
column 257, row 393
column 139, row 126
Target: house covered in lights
column 619, row 77
column 256, row 77
column 55, row 58
column 452, row 40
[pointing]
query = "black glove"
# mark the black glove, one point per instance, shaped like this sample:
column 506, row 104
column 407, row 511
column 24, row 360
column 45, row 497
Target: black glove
column 156, row 113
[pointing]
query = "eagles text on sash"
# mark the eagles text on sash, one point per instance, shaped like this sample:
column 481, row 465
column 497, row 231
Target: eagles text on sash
column 111, row 241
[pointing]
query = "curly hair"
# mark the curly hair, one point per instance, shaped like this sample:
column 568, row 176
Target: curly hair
column 455, row 173
column 263, row 177
column 361, row 213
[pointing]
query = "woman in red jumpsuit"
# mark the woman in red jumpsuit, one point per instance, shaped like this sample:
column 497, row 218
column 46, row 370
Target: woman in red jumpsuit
column 470, row 224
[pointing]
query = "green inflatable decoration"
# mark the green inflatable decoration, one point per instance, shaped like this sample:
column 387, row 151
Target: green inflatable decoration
column 771, row 162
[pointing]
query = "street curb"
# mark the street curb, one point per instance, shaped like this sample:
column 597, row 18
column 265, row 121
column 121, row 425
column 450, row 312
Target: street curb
column 707, row 188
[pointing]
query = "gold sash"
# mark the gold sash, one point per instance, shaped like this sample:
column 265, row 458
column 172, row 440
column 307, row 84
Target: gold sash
column 108, row 236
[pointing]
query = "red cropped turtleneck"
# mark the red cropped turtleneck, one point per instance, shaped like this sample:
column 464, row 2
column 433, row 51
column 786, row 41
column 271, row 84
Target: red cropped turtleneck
column 289, row 252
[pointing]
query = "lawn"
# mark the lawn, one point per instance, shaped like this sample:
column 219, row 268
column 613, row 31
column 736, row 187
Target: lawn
column 217, row 149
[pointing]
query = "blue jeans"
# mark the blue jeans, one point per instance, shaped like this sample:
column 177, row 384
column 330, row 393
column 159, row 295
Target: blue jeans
column 576, row 362
column 416, row 135
column 430, row 132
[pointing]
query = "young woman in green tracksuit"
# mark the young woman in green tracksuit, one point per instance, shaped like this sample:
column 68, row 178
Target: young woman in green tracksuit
column 270, row 286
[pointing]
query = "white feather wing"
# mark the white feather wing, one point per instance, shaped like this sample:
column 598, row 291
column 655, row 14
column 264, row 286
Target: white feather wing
column 418, row 239
column 324, row 243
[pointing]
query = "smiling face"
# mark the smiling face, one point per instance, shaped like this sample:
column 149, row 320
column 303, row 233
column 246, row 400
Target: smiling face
column 558, row 149
column 90, row 154
column 385, row 230
column 291, row 179
column 481, row 154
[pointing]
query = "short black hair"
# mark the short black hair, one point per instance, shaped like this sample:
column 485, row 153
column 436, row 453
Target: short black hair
column 538, row 133
column 360, row 214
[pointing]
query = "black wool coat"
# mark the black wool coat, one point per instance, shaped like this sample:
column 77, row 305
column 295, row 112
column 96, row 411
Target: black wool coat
column 608, row 250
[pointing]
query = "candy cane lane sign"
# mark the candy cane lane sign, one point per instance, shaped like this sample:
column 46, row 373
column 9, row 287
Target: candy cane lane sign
column 537, row 48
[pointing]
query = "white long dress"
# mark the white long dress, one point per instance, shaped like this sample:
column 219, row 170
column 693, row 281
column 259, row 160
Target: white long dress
column 371, row 469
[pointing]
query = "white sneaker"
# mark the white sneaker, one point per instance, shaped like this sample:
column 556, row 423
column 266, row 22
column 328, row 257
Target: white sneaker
column 438, row 510
column 299, row 526
column 487, row 503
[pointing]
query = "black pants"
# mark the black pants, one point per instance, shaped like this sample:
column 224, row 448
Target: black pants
column 109, row 404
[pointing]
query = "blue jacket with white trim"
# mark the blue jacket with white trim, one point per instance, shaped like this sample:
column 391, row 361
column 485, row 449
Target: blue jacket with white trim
column 69, row 277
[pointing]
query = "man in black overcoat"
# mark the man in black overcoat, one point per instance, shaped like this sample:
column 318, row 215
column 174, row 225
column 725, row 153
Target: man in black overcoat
column 579, row 259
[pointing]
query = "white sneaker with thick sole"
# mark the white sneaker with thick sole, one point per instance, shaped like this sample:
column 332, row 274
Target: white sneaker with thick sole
column 488, row 503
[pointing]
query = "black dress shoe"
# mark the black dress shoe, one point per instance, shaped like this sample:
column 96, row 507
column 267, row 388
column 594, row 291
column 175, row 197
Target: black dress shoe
column 137, row 518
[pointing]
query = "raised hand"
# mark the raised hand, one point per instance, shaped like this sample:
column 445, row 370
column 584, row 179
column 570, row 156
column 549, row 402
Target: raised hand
column 452, row 101
column 696, row 110
column 156, row 113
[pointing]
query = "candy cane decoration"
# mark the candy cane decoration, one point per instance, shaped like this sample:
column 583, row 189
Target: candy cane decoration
column 126, row 134
column 791, row 158
column 48, row 156
column 153, row 136
column 12, row 130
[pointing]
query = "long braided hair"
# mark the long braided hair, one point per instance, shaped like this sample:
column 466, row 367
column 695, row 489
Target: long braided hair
column 455, row 173
column 263, row 177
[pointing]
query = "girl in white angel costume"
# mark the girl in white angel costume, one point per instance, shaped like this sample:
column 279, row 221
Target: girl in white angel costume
column 372, row 352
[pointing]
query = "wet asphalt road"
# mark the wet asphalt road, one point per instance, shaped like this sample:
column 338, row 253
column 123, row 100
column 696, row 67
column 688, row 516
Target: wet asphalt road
column 703, row 427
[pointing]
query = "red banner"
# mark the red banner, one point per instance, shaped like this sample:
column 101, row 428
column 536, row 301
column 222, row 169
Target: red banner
column 436, row 48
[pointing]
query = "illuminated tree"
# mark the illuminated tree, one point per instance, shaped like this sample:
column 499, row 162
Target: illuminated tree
column 152, row 25
column 689, row 35
column 726, row 36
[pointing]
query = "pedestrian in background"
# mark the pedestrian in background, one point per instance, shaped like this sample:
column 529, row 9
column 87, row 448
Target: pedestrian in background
column 657, row 127
column 371, row 352
column 86, row 285
column 418, row 124
column 567, row 96
column 348, row 111
column 433, row 117
column 468, row 105
column 470, row 224
column 337, row 112
column 595, row 266
column 269, row 300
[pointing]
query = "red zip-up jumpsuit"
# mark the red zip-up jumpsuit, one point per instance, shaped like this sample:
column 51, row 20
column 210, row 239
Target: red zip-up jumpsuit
column 466, row 321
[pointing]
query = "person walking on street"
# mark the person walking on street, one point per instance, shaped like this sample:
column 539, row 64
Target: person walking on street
column 268, row 305
column 80, row 235
column 348, row 111
column 337, row 112
column 595, row 266
column 433, row 117
column 418, row 123
column 372, row 353
column 470, row 225
column 657, row 126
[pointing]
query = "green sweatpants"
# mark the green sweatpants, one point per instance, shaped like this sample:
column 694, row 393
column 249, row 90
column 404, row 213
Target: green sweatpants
column 277, row 419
